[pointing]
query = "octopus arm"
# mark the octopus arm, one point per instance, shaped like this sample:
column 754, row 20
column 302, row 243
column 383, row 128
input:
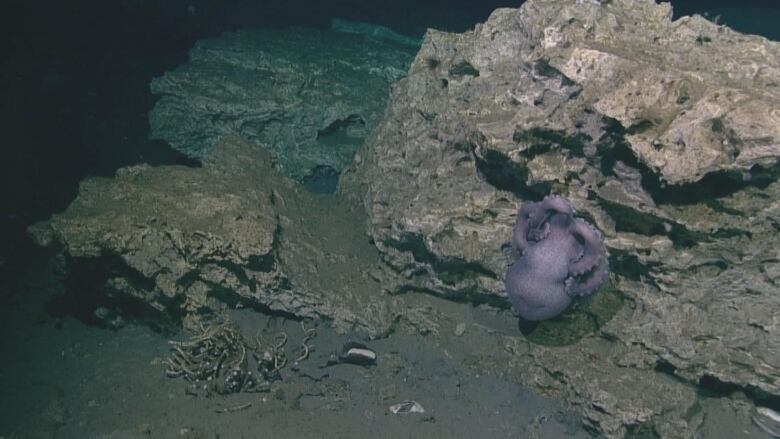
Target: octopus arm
column 533, row 219
column 593, row 250
column 588, row 284
column 591, row 270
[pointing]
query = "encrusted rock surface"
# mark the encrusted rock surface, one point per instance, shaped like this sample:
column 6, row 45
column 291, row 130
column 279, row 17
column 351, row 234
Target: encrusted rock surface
column 182, row 242
column 309, row 96
column 665, row 134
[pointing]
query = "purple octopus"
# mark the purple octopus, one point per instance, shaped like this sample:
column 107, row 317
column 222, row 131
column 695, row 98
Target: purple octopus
column 561, row 257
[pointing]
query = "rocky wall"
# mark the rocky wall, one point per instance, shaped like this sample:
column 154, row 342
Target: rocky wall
column 664, row 134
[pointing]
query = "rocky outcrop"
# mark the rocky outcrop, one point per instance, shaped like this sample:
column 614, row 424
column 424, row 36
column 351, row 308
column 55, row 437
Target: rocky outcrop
column 664, row 134
column 183, row 242
column 309, row 96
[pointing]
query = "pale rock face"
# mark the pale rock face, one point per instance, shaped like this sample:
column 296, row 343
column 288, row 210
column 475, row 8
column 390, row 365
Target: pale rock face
column 663, row 134
column 190, row 241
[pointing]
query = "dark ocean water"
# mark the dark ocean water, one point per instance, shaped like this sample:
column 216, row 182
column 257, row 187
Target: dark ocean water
column 74, row 90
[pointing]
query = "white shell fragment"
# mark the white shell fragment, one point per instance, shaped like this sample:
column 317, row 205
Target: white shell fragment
column 406, row 407
column 768, row 420
column 366, row 355
column 356, row 353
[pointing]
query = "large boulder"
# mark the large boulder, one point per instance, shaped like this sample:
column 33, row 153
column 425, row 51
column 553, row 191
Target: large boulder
column 664, row 134
column 178, row 243
column 309, row 96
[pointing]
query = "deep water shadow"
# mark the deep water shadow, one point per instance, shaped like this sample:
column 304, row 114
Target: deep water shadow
column 86, row 297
